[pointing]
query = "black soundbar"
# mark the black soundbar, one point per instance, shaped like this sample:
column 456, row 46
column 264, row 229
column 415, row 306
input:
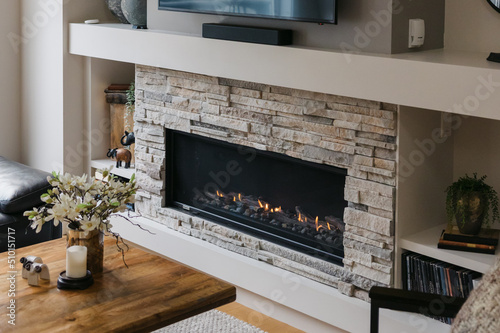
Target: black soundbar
column 247, row 34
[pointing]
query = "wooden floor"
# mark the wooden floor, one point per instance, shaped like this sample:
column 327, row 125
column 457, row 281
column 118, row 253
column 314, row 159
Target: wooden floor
column 257, row 319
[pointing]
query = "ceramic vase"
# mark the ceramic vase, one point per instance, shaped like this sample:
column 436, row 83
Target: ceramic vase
column 135, row 11
column 115, row 7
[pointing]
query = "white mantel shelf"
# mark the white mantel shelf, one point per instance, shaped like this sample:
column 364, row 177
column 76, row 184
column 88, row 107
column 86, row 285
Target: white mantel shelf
column 435, row 80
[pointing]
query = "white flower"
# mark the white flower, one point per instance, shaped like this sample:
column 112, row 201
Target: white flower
column 84, row 203
column 65, row 209
column 89, row 225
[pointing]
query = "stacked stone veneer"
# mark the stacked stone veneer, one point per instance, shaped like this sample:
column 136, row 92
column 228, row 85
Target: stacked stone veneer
column 358, row 135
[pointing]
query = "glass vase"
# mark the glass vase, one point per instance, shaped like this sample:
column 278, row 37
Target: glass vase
column 94, row 242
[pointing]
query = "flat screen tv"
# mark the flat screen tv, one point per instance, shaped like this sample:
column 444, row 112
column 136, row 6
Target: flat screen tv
column 319, row 11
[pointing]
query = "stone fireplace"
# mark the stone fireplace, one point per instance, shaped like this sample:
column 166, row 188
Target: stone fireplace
column 352, row 134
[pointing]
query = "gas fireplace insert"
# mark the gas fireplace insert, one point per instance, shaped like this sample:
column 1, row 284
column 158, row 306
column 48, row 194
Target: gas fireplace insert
column 291, row 202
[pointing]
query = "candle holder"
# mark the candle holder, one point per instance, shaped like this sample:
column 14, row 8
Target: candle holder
column 65, row 282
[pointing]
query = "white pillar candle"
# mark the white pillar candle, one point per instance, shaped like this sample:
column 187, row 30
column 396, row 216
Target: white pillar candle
column 76, row 261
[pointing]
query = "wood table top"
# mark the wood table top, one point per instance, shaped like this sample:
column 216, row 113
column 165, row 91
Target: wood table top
column 152, row 293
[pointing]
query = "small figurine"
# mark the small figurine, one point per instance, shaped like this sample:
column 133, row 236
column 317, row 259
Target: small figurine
column 128, row 139
column 37, row 271
column 27, row 261
column 121, row 154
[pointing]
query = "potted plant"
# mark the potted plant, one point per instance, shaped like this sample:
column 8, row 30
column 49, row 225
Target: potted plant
column 469, row 200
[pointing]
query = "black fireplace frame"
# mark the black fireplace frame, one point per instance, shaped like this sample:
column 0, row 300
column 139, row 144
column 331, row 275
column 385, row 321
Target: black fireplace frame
column 334, row 255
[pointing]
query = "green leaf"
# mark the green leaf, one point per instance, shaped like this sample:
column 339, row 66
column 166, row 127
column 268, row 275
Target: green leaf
column 83, row 205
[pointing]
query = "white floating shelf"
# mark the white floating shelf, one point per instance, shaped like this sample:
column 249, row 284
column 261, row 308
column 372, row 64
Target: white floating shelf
column 436, row 80
column 425, row 243
column 107, row 163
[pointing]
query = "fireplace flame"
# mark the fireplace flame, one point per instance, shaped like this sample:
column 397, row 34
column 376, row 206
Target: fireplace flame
column 254, row 206
column 318, row 226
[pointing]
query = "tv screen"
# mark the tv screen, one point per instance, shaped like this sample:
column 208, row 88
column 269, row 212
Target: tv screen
column 319, row 11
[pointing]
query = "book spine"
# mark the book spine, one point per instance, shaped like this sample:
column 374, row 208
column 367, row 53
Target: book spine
column 437, row 278
column 430, row 274
column 470, row 239
column 471, row 245
column 448, row 282
column 418, row 264
column 404, row 268
column 447, row 246
column 424, row 276
column 442, row 275
column 465, row 282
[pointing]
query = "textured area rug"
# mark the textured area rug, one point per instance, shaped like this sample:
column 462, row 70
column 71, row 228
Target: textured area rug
column 212, row 321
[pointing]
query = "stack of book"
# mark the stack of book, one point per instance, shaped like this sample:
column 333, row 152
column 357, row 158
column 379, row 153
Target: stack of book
column 424, row 274
column 484, row 242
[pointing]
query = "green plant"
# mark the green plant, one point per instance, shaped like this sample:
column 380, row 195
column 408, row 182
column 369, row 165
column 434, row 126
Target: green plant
column 130, row 107
column 464, row 187
column 131, row 95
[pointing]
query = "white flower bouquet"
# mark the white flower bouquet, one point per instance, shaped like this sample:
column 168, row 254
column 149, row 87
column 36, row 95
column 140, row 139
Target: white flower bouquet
column 85, row 204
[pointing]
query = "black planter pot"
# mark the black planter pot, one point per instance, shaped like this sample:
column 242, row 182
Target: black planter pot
column 470, row 213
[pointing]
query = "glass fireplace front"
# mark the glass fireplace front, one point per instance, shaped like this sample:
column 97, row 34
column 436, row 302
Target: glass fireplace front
column 288, row 201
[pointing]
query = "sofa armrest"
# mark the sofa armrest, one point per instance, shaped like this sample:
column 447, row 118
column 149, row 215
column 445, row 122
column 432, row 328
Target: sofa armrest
column 411, row 301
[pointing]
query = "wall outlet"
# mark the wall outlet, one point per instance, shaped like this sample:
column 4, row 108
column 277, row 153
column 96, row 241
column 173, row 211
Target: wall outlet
column 416, row 35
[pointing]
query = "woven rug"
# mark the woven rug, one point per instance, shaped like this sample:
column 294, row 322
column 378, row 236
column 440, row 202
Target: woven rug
column 212, row 321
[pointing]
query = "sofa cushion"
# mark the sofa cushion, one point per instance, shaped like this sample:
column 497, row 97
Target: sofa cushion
column 481, row 312
column 21, row 234
column 20, row 186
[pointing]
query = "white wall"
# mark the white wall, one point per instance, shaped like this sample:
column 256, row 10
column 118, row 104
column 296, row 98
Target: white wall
column 477, row 150
column 10, row 81
column 474, row 26
column 42, row 111
column 76, row 139
column 355, row 17
column 471, row 25
column 53, row 84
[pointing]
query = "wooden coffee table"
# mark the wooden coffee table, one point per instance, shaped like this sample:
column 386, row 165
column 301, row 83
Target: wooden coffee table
column 152, row 293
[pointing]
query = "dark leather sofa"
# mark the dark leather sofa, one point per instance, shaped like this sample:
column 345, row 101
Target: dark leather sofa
column 20, row 190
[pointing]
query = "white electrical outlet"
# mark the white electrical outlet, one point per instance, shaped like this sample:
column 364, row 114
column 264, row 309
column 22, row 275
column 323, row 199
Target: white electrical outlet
column 417, row 33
